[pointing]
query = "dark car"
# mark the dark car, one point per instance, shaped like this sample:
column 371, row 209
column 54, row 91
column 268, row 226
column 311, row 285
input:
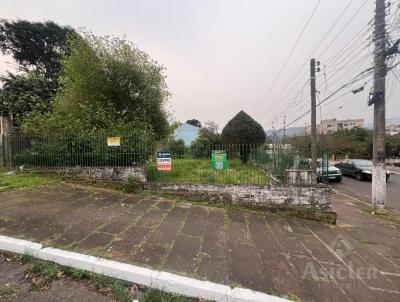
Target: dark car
column 358, row 168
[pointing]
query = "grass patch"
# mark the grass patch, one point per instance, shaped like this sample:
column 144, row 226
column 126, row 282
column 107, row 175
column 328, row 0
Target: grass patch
column 8, row 291
column 383, row 215
column 20, row 180
column 42, row 273
column 199, row 171
column 154, row 295
column 292, row 297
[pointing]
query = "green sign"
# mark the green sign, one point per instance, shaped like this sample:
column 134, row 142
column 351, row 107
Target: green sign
column 218, row 160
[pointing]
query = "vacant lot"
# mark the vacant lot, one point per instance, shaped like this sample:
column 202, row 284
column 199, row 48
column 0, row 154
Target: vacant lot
column 199, row 171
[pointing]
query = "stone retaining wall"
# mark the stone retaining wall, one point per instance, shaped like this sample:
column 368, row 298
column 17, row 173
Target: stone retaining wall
column 311, row 202
column 98, row 173
column 316, row 197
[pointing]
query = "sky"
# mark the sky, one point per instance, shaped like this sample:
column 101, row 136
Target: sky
column 223, row 56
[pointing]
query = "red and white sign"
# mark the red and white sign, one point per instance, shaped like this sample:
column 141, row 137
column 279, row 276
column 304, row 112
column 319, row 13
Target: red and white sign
column 164, row 161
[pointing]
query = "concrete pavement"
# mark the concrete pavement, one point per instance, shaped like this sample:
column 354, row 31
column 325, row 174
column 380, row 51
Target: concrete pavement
column 356, row 260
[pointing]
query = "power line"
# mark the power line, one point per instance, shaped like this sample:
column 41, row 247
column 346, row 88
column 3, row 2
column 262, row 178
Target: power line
column 367, row 72
column 324, row 38
column 290, row 53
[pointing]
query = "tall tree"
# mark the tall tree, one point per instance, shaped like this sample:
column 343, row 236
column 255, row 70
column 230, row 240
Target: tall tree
column 108, row 84
column 36, row 46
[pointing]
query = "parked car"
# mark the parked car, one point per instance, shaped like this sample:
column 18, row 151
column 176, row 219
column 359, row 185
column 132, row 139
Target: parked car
column 358, row 168
column 327, row 172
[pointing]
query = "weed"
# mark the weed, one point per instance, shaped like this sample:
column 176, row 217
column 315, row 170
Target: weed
column 292, row 297
column 121, row 291
column 132, row 184
column 21, row 180
column 44, row 273
column 74, row 273
column 383, row 215
column 154, row 295
column 8, row 291
column 25, row 258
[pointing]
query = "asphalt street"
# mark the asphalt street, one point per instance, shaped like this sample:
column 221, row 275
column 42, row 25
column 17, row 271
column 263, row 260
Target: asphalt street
column 362, row 189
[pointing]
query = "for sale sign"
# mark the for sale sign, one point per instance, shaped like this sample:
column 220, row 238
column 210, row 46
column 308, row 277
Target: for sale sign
column 218, row 160
column 114, row 141
column 164, row 161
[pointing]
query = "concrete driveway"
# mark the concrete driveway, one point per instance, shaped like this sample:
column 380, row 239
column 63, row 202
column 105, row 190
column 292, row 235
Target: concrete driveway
column 355, row 260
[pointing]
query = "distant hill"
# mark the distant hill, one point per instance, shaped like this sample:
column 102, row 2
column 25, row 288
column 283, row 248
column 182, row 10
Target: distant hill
column 393, row 120
column 293, row 131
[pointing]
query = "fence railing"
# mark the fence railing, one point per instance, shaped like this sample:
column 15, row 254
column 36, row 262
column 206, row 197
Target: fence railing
column 75, row 150
column 199, row 163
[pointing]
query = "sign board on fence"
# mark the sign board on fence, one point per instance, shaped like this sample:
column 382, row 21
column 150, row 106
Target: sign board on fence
column 164, row 161
column 218, row 160
column 114, row 141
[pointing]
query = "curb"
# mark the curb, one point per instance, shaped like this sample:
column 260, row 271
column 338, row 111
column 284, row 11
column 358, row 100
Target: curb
column 164, row 281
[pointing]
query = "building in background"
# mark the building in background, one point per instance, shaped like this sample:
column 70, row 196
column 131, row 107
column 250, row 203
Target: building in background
column 333, row 125
column 187, row 133
column 393, row 129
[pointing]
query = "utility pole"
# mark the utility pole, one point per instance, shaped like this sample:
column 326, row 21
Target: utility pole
column 378, row 100
column 313, row 115
column 284, row 129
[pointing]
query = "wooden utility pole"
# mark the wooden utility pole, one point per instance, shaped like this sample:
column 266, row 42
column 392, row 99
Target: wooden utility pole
column 313, row 117
column 378, row 100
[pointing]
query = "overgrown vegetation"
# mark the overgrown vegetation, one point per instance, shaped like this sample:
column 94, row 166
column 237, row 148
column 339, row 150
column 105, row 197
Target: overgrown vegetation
column 132, row 184
column 20, row 180
column 107, row 84
column 199, row 171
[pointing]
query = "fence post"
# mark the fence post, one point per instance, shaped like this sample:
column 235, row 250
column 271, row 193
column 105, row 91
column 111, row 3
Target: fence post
column 3, row 150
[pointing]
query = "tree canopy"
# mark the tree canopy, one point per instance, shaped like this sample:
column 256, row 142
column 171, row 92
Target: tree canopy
column 36, row 46
column 243, row 129
column 107, row 84
column 21, row 94
column 194, row 122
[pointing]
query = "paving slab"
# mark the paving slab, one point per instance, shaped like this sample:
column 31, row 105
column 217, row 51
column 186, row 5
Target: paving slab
column 356, row 260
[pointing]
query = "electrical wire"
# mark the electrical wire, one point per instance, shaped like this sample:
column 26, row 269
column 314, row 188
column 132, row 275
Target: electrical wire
column 324, row 38
column 290, row 54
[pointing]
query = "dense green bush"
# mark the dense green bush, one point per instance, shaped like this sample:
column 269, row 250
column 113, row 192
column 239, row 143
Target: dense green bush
column 81, row 150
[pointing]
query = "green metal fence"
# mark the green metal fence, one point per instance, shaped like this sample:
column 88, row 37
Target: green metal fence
column 244, row 163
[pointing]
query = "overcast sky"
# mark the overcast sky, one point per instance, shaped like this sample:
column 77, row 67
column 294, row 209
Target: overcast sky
column 223, row 56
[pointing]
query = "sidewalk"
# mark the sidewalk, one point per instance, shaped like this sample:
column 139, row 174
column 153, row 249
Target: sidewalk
column 356, row 260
